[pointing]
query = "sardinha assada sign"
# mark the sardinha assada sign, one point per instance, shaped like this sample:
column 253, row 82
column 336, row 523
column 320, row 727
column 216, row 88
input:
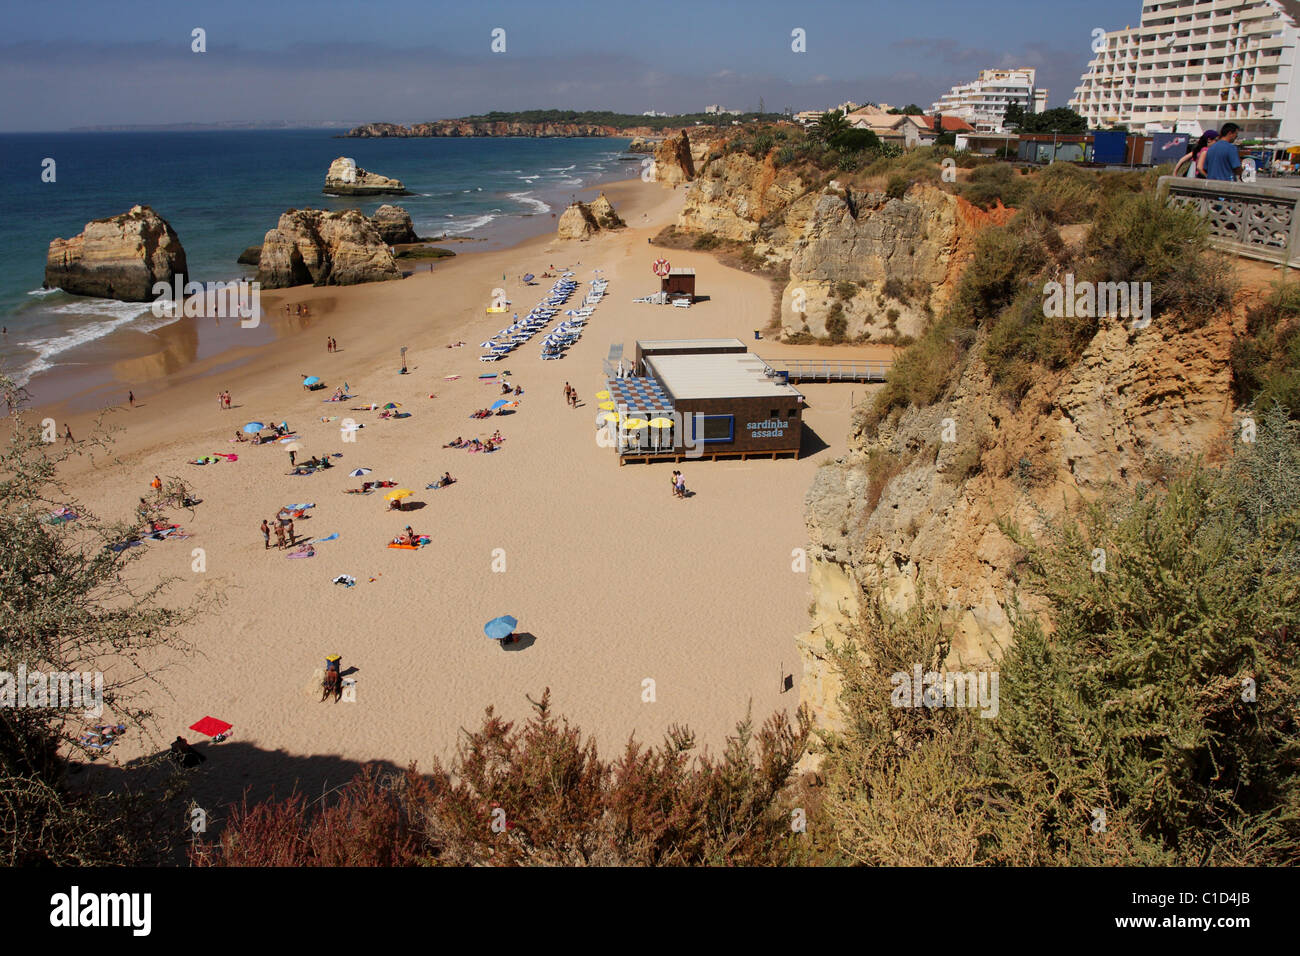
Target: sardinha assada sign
column 771, row 428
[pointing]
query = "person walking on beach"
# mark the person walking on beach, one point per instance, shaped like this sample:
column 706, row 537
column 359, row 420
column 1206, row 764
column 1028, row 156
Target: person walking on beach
column 681, row 485
column 292, row 458
column 130, row 398
column 329, row 345
column 67, row 435
column 673, row 481
column 266, row 535
column 568, row 393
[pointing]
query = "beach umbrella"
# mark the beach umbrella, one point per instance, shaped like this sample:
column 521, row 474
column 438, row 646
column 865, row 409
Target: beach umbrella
column 499, row 628
column 486, row 344
column 610, row 417
column 358, row 472
column 498, row 403
column 311, row 380
column 661, row 423
column 293, row 446
column 603, row 394
column 607, row 406
column 253, row 427
column 392, row 405
column 398, row 493
column 634, row 424
column 528, row 277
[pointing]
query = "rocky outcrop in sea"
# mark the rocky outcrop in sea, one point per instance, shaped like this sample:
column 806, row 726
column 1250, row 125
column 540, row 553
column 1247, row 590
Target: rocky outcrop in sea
column 311, row 246
column 120, row 257
column 346, row 178
column 394, row 225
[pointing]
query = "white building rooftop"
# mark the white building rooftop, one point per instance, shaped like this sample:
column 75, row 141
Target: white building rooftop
column 697, row 345
column 716, row 375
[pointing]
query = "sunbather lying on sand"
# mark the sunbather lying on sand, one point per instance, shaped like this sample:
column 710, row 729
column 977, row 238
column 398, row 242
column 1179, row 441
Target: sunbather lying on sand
column 455, row 444
column 442, row 482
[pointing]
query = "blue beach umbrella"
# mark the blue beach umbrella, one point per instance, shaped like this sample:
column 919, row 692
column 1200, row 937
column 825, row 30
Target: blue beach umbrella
column 499, row 628
column 498, row 403
column 253, row 427
column 311, row 380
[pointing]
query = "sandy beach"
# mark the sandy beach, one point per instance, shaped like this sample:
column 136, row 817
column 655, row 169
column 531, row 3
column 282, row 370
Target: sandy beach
column 614, row 581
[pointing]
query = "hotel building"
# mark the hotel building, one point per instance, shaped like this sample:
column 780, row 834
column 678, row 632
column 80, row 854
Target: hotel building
column 983, row 102
column 1193, row 65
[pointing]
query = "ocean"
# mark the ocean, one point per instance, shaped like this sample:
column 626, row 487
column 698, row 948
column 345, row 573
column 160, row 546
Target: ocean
column 222, row 190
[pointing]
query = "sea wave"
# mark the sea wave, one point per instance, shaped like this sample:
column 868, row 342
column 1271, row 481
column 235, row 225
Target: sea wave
column 45, row 291
column 528, row 198
column 469, row 225
column 118, row 315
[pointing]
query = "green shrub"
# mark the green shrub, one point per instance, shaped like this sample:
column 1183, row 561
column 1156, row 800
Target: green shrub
column 1266, row 360
column 895, row 288
column 898, row 186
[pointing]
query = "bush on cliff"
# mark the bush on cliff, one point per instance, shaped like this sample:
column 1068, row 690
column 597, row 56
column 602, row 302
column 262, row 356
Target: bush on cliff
column 1152, row 724
column 67, row 604
column 1266, row 360
column 540, row 794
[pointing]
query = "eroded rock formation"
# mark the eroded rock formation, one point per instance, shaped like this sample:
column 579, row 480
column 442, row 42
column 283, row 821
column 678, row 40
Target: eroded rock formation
column 324, row 248
column 120, row 257
column 673, row 160
column 394, row 225
column 583, row 220
column 346, row 178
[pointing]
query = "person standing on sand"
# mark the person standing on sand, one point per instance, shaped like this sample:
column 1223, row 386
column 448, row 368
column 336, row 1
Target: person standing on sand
column 293, row 535
column 266, row 535
column 680, row 487
column 279, row 536
column 156, row 484
column 130, row 398
column 67, row 435
column 673, row 481
column 292, row 455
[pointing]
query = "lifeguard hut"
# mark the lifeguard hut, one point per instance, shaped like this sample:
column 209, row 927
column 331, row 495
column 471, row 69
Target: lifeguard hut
column 678, row 284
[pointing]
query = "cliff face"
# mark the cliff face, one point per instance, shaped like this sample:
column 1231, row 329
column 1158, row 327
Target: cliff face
column 324, row 248
column 346, row 178
column 736, row 193
column 918, row 241
column 120, row 257
column 673, row 160
column 1131, row 396
column 456, row 127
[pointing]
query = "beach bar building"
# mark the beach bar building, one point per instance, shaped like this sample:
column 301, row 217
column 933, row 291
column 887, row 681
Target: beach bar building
column 703, row 398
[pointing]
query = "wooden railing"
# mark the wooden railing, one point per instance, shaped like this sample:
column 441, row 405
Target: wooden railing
column 828, row 370
column 1255, row 220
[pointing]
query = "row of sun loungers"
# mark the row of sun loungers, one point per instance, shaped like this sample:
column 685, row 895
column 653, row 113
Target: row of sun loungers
column 570, row 330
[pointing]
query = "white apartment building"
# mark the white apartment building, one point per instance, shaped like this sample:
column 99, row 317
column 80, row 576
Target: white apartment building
column 1193, row 65
column 983, row 102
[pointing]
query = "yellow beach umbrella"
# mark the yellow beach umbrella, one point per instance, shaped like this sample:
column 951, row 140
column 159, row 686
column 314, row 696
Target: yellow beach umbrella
column 633, row 424
column 610, row 417
column 603, row 394
column 607, row 406
column 397, row 493
column 661, row 423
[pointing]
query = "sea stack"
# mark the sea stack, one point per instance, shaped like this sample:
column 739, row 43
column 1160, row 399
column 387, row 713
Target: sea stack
column 120, row 257
column 324, row 248
column 346, row 178
column 394, row 225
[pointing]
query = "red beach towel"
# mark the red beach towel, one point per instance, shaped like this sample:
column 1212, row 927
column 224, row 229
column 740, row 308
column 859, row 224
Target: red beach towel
column 211, row 726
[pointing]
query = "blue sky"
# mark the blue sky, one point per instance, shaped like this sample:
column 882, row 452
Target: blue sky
column 78, row 63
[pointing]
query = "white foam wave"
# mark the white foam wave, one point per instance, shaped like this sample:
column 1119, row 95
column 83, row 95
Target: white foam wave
column 529, row 199
column 45, row 291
